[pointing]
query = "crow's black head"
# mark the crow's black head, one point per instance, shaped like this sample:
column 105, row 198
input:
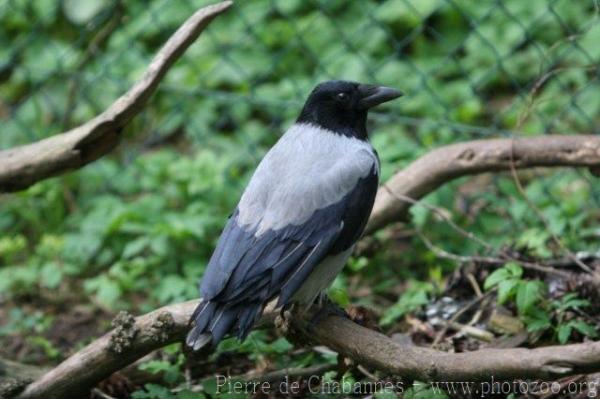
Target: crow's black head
column 342, row 106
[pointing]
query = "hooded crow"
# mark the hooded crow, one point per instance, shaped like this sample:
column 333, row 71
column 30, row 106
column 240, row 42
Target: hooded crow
column 297, row 221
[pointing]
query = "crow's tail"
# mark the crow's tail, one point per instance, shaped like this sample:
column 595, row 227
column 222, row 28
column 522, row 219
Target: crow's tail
column 213, row 320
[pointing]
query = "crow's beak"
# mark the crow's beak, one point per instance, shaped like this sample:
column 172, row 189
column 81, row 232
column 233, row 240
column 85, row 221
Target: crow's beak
column 371, row 95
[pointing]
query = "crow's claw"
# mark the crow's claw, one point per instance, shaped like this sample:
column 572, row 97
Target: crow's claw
column 325, row 307
column 283, row 320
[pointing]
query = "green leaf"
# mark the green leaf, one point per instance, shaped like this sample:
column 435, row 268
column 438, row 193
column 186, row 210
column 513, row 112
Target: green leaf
column 219, row 388
column 210, row 386
column 170, row 371
column 172, row 288
column 408, row 302
column 422, row 390
column 49, row 349
column 584, row 328
column 408, row 12
column 511, row 271
column 281, row 345
column 564, row 332
column 12, row 246
column 571, row 301
column 357, row 264
column 528, row 293
column 419, row 215
column 107, row 290
column 339, row 296
column 51, row 275
column 160, row 245
column 514, row 269
column 538, row 320
column 535, row 239
column 506, row 290
column 135, row 247
column 496, row 277
column 385, row 395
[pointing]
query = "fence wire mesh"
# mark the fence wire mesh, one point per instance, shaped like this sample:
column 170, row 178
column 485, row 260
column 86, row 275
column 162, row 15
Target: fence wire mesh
column 470, row 69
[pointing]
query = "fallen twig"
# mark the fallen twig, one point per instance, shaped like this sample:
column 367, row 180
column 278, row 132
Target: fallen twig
column 440, row 335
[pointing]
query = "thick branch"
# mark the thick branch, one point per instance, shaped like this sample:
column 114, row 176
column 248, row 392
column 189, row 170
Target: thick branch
column 444, row 164
column 424, row 364
column 129, row 341
column 115, row 350
column 169, row 324
column 15, row 376
column 23, row 166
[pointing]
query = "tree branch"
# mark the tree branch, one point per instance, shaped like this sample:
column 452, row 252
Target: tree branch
column 134, row 338
column 23, row 166
column 379, row 351
column 15, row 376
column 445, row 164
column 130, row 340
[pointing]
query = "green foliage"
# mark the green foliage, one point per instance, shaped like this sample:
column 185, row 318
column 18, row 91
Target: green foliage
column 20, row 321
column 538, row 314
column 564, row 327
column 511, row 286
column 564, row 330
column 507, row 279
column 415, row 296
column 156, row 236
column 171, row 370
column 47, row 347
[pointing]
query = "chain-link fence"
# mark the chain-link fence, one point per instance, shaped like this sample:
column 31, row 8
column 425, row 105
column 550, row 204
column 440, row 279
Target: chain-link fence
column 471, row 69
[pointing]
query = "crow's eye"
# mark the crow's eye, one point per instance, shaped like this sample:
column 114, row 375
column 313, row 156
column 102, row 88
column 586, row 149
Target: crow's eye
column 342, row 96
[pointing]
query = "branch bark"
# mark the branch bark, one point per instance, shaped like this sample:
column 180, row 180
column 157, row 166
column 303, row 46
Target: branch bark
column 379, row 351
column 23, row 166
column 134, row 338
column 15, row 376
column 445, row 164
column 130, row 340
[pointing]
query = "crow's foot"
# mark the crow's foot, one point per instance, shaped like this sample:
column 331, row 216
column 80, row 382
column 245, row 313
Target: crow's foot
column 325, row 307
column 283, row 320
